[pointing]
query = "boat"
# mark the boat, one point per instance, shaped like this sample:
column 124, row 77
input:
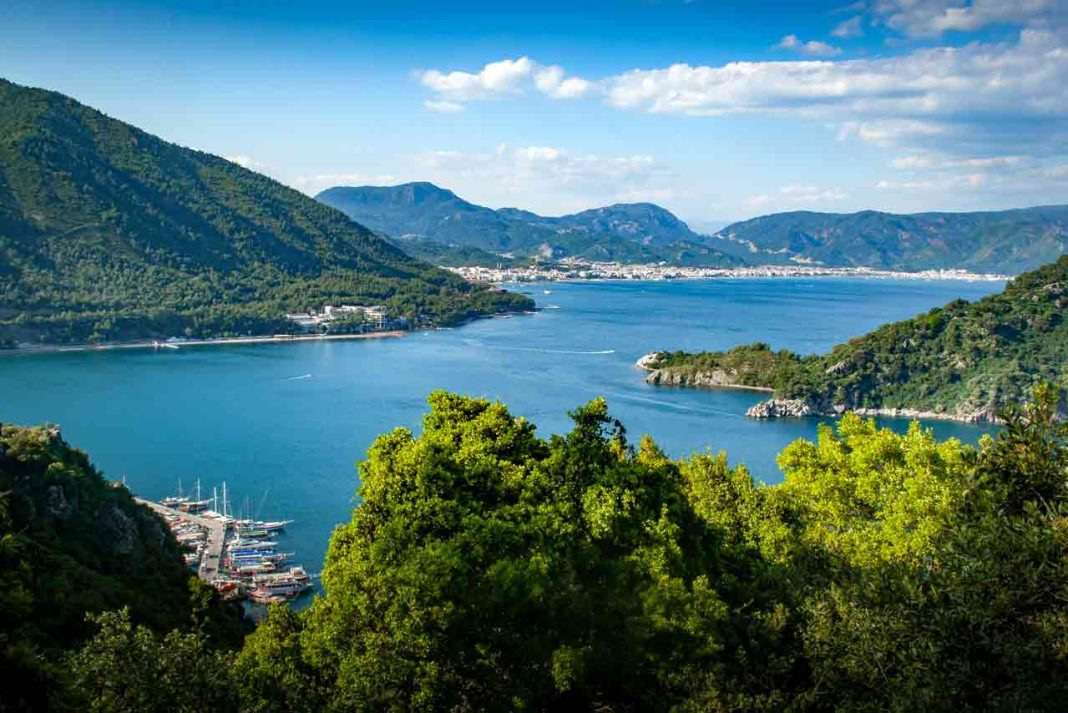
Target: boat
column 279, row 589
column 246, row 527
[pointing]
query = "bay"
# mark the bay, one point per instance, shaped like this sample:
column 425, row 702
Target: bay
column 284, row 424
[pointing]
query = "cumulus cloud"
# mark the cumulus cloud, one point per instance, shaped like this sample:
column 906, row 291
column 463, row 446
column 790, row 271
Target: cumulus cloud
column 496, row 80
column 946, row 92
column 931, row 18
column 812, row 48
column 493, row 80
column 552, row 82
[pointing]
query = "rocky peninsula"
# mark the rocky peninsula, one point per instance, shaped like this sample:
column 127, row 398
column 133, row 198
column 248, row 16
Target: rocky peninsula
column 962, row 362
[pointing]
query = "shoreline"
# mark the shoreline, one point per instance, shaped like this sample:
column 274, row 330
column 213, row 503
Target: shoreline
column 220, row 341
column 607, row 271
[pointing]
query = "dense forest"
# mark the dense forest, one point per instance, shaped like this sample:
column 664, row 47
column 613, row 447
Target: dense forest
column 488, row 568
column 73, row 545
column 965, row 360
column 107, row 232
column 1005, row 242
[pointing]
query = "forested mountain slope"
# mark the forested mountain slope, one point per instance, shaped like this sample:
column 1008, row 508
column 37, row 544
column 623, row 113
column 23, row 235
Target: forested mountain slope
column 72, row 544
column 1006, row 242
column 964, row 360
column 109, row 232
column 637, row 232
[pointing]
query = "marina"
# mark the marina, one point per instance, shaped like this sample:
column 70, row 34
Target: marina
column 231, row 554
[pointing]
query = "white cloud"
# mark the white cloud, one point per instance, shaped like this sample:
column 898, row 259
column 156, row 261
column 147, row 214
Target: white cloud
column 314, row 183
column 496, row 80
column 246, row 162
column 931, row 18
column 796, row 196
column 552, row 82
column 849, row 28
column 812, row 48
column 550, row 178
column 443, row 106
column 974, row 92
column 919, row 162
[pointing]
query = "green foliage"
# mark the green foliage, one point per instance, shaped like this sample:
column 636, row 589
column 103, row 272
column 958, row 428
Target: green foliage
column 72, row 544
column 486, row 568
column 963, row 359
column 109, row 233
column 129, row 669
column 1008, row 242
column 754, row 365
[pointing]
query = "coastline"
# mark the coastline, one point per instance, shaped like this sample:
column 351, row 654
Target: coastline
column 774, row 408
column 221, row 341
column 581, row 271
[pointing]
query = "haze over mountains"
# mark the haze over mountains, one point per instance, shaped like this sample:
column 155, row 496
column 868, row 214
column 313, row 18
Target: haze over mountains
column 1010, row 241
column 638, row 232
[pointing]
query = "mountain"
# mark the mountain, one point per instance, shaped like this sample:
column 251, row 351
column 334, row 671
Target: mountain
column 964, row 361
column 107, row 232
column 1008, row 242
column 639, row 232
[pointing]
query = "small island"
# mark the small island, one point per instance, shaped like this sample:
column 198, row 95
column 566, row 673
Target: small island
column 961, row 362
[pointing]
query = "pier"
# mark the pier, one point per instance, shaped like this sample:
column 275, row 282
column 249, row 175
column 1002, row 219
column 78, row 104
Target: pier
column 213, row 548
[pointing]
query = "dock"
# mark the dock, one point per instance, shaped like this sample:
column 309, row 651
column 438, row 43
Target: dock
column 213, row 548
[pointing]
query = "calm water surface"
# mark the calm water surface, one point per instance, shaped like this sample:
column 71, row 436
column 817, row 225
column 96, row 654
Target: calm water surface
column 283, row 425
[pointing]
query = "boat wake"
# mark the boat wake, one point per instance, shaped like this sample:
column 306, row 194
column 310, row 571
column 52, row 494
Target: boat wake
column 298, row 378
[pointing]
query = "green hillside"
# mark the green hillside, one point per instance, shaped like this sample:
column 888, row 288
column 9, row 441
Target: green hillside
column 107, row 232
column 964, row 360
column 634, row 233
column 1007, row 242
column 72, row 544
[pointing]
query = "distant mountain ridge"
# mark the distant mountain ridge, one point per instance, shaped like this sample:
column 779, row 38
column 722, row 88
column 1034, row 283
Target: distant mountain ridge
column 1010, row 241
column 638, row 232
column 108, row 232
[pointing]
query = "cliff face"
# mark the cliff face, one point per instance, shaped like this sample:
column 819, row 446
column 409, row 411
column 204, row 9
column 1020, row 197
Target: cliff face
column 715, row 379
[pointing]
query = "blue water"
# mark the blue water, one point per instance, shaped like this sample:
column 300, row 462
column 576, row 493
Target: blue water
column 287, row 442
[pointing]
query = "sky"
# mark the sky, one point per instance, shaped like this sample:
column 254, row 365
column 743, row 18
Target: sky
column 718, row 111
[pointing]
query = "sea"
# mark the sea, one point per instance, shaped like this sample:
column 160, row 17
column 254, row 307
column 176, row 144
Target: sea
column 284, row 425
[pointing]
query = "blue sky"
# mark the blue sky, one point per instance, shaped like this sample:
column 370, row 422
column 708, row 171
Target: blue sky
column 716, row 110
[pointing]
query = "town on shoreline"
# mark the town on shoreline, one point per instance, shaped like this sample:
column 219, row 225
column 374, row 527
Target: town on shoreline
column 575, row 269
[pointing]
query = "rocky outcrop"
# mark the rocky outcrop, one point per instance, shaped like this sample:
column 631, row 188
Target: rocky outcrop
column 715, row 379
column 118, row 528
column 979, row 416
column 782, row 408
column 800, row 408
